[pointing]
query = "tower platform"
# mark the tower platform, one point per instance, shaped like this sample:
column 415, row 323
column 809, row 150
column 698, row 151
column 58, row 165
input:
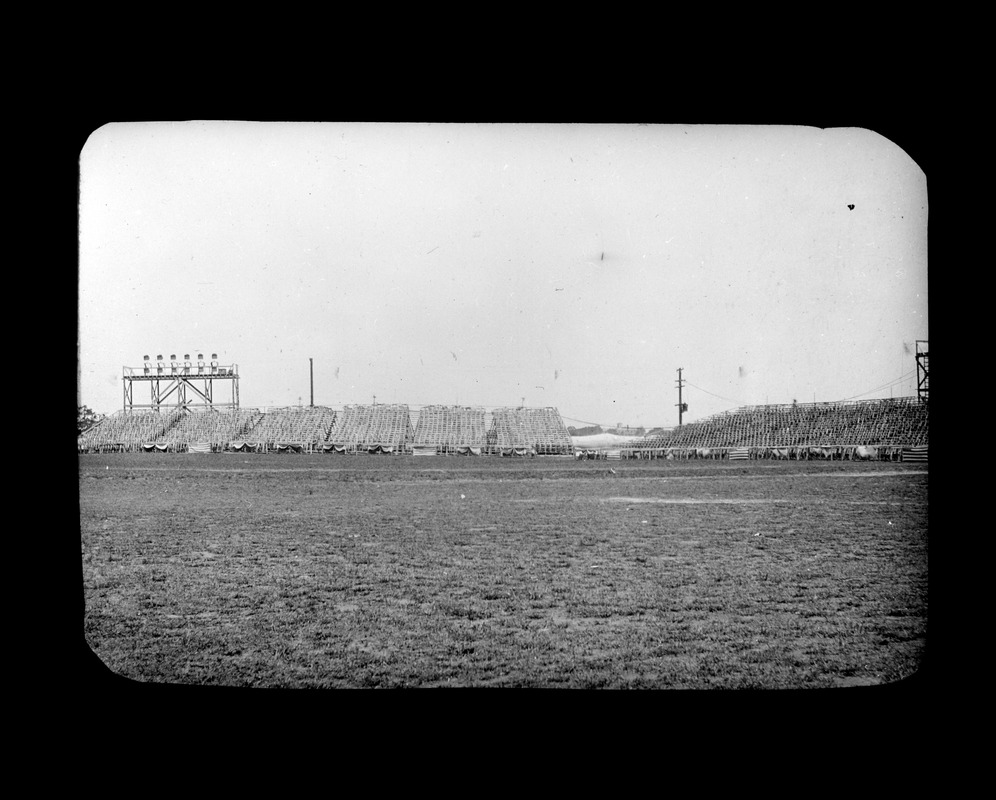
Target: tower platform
column 186, row 384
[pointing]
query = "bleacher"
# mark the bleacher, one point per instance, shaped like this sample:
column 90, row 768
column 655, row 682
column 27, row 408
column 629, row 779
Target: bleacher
column 891, row 426
column 451, row 429
column 899, row 422
column 215, row 428
column 294, row 427
column 382, row 428
column 127, row 432
column 537, row 430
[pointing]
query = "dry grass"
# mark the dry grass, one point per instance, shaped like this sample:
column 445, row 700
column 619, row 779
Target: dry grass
column 325, row 571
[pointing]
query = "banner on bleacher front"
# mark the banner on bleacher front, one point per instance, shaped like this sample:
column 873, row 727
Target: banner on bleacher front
column 740, row 454
column 915, row 454
column 199, row 447
column 243, row 447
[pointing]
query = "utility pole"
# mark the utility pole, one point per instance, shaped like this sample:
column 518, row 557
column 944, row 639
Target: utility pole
column 682, row 407
column 311, row 368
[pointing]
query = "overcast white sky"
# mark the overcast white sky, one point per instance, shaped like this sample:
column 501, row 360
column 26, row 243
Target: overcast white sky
column 575, row 266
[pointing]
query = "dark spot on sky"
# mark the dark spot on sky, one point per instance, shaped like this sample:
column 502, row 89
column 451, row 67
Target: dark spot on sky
column 851, row 206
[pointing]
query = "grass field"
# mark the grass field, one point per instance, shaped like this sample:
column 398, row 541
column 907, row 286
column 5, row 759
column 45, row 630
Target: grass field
column 379, row 571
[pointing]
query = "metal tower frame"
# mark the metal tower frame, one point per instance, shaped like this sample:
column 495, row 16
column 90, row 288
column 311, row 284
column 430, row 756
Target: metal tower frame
column 181, row 384
column 921, row 370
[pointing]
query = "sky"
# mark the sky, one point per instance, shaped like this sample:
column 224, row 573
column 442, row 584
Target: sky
column 578, row 266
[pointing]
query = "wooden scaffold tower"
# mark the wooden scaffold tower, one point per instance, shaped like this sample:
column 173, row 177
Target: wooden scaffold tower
column 182, row 384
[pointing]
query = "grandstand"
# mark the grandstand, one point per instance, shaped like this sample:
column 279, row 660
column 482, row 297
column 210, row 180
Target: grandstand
column 166, row 431
column 451, row 429
column 385, row 428
column 844, row 429
column 297, row 428
column 518, row 431
column 802, row 430
column 127, row 432
column 889, row 425
column 214, row 428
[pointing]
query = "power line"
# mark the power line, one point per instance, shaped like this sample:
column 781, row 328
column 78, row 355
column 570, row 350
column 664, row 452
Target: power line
column 727, row 399
column 585, row 422
column 893, row 382
column 888, row 384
